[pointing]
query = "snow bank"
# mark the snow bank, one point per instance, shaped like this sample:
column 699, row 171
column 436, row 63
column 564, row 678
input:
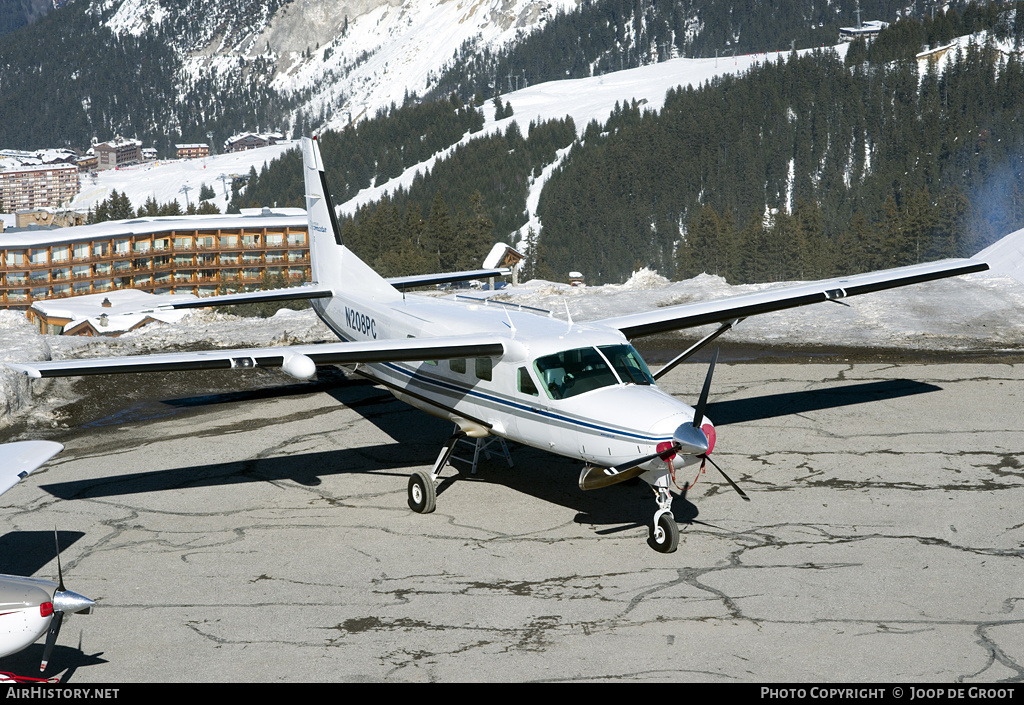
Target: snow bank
column 645, row 279
column 982, row 311
column 19, row 342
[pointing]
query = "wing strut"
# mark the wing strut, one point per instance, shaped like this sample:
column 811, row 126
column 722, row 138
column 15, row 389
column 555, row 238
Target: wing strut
column 695, row 347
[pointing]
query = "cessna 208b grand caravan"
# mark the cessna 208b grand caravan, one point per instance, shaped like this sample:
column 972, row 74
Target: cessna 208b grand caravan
column 30, row 607
column 575, row 389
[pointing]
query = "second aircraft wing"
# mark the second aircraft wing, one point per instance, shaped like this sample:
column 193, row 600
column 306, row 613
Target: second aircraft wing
column 22, row 457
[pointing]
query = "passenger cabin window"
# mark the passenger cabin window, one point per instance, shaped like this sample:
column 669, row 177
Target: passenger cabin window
column 458, row 365
column 526, row 385
column 483, row 368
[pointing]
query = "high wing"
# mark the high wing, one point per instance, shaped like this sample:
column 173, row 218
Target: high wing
column 21, row 458
column 738, row 307
column 297, row 360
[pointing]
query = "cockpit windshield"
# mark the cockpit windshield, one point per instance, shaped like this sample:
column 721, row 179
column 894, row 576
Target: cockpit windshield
column 571, row 372
column 628, row 363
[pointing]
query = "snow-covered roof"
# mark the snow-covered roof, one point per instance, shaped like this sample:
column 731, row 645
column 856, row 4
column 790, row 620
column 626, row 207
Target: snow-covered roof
column 120, row 142
column 121, row 301
column 866, row 27
column 128, row 308
column 292, row 218
column 37, row 167
column 497, row 254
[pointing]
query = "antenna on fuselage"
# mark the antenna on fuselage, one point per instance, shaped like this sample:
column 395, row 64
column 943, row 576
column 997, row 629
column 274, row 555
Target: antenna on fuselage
column 567, row 313
column 510, row 323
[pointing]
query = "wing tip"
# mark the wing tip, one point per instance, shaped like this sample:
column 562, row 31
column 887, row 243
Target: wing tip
column 26, row 369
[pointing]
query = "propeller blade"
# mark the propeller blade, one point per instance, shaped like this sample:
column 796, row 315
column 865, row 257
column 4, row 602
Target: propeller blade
column 51, row 638
column 698, row 412
column 60, row 573
column 727, row 478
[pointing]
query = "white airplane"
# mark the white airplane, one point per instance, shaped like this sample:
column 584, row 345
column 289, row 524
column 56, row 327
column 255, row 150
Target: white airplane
column 30, row 607
column 575, row 389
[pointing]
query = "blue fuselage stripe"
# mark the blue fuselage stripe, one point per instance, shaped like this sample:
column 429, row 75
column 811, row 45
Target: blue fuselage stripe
column 468, row 391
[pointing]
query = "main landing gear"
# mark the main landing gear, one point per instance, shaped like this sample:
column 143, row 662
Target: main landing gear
column 422, row 492
column 423, row 484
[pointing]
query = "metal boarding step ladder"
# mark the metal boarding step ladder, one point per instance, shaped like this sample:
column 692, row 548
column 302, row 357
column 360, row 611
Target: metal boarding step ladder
column 479, row 445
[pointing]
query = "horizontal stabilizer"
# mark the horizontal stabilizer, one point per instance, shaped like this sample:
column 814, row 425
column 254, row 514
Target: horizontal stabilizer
column 294, row 293
column 401, row 350
column 432, row 279
column 734, row 307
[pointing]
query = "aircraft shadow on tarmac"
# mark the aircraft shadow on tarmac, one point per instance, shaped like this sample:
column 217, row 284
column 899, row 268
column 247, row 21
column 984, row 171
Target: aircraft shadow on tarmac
column 418, row 438
column 769, row 406
column 26, row 552
column 64, row 660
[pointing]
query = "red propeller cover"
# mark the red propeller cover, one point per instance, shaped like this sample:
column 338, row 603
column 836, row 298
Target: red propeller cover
column 709, row 431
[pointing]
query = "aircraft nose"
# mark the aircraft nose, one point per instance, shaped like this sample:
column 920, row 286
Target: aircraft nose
column 691, row 440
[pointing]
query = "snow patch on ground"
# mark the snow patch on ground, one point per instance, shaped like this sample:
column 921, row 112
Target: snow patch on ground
column 19, row 342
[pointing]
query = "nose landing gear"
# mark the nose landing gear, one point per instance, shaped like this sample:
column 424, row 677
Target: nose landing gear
column 663, row 533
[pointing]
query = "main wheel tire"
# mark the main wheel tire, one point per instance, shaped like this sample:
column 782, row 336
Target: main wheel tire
column 664, row 536
column 422, row 492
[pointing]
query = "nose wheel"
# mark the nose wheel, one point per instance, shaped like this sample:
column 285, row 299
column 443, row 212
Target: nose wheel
column 663, row 533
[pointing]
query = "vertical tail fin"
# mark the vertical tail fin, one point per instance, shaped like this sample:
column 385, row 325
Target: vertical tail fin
column 333, row 264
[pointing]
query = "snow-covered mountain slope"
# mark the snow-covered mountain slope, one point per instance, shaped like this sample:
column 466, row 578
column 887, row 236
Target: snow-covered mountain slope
column 377, row 57
column 344, row 59
column 583, row 99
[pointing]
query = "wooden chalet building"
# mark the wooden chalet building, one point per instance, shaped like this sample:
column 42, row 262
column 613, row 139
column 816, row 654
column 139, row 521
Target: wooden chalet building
column 251, row 140
column 200, row 255
column 192, row 151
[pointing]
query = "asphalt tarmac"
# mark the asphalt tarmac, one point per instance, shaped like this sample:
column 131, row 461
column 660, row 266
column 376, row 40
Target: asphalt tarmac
column 265, row 536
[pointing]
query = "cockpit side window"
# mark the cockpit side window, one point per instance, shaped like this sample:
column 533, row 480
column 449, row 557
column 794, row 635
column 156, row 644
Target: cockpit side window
column 571, row 372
